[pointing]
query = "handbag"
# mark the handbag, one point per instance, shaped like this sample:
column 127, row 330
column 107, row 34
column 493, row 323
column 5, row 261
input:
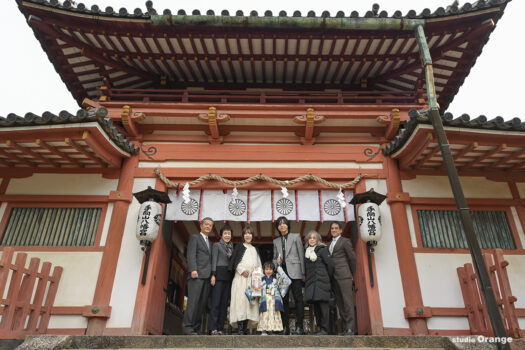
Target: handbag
column 283, row 281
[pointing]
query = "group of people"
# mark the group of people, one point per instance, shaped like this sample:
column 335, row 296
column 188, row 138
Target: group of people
column 230, row 272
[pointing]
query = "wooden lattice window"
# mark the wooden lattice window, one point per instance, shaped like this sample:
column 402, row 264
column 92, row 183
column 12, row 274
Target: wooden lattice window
column 52, row 226
column 443, row 229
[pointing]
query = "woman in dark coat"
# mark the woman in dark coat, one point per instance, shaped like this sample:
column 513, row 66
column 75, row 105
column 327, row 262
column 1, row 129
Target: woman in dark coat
column 221, row 280
column 319, row 270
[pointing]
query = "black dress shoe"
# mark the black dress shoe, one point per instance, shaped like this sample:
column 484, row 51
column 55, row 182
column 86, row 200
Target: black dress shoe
column 286, row 331
column 321, row 332
column 299, row 331
column 190, row 333
column 347, row 332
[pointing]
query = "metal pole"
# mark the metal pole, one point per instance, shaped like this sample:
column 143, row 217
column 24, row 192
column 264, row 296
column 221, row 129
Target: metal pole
column 461, row 203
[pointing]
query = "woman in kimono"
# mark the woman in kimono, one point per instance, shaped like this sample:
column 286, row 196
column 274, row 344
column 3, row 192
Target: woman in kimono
column 245, row 259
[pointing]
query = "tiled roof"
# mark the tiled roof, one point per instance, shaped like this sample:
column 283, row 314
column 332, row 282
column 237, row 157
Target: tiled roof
column 289, row 51
column 463, row 121
column 64, row 117
column 138, row 13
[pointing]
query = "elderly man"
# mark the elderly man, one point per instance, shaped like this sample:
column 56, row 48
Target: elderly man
column 344, row 259
column 199, row 271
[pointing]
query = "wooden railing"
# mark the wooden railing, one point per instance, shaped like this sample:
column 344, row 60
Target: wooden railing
column 477, row 313
column 264, row 97
column 26, row 309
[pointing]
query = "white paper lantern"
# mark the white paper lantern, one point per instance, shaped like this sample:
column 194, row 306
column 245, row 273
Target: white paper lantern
column 369, row 222
column 150, row 214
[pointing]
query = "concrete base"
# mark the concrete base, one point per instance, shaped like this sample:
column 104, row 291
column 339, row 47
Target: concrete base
column 48, row 342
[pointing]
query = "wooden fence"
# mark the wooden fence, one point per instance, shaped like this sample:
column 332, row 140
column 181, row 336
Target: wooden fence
column 26, row 307
column 478, row 318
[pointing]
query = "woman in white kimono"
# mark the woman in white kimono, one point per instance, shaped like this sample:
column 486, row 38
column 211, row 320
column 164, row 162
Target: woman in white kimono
column 245, row 259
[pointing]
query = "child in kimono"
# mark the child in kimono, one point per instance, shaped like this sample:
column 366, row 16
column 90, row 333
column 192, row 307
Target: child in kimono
column 271, row 303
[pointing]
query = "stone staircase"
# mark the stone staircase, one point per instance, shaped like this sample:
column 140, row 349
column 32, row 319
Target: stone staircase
column 280, row 342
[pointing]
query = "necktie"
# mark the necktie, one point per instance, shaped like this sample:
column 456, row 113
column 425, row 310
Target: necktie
column 283, row 259
column 332, row 246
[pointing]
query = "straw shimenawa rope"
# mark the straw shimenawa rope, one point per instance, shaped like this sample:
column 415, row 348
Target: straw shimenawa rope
column 262, row 177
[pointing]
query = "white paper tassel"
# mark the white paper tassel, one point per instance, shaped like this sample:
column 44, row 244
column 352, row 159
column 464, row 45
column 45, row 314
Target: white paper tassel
column 186, row 193
column 235, row 193
column 284, row 190
column 341, row 198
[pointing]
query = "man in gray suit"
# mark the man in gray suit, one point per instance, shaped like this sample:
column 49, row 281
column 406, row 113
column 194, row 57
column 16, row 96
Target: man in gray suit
column 288, row 251
column 199, row 271
column 344, row 259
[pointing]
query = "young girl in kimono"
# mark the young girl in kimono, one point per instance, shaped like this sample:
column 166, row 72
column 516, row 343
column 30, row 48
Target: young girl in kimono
column 271, row 301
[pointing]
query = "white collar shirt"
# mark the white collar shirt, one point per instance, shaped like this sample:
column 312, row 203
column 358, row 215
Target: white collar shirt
column 206, row 240
column 332, row 244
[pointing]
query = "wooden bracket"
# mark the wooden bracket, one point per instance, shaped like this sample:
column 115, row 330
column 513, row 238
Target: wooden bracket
column 310, row 119
column 130, row 119
column 392, row 121
column 213, row 119
column 88, row 104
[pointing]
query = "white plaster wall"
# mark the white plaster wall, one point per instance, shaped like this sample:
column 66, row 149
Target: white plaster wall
column 107, row 221
column 448, row 323
column 521, row 322
column 387, row 267
column 2, row 210
column 62, row 184
column 67, row 321
column 519, row 228
column 79, row 277
column 515, row 271
column 128, row 267
column 438, row 278
column 411, row 227
column 439, row 187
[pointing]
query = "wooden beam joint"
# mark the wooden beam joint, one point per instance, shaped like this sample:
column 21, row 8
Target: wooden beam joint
column 115, row 196
column 417, row 312
column 400, row 197
column 392, row 123
column 214, row 119
column 130, row 119
column 309, row 120
column 96, row 311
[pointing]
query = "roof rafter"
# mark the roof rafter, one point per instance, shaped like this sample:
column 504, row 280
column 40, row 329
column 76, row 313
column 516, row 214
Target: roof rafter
column 88, row 51
column 436, row 51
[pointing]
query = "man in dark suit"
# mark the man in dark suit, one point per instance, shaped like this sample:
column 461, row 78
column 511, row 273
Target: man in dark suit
column 199, row 271
column 288, row 252
column 344, row 259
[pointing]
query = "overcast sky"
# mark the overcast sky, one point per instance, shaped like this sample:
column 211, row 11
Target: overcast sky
column 29, row 83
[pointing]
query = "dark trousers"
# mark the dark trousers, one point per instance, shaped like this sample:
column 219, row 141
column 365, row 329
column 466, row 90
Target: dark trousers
column 220, row 295
column 297, row 289
column 344, row 297
column 198, row 292
column 322, row 310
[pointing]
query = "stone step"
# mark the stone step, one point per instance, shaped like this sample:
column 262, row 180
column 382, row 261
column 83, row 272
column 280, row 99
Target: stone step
column 280, row 342
column 302, row 348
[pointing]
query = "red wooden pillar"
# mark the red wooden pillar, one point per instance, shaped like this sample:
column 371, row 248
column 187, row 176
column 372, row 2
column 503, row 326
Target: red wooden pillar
column 415, row 312
column 148, row 316
column 99, row 312
column 369, row 318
